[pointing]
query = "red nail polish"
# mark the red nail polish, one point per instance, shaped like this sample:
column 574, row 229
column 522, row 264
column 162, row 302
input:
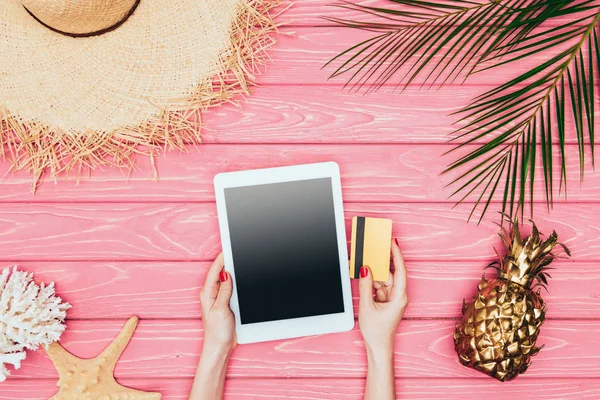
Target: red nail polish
column 396, row 240
column 364, row 271
column 224, row 276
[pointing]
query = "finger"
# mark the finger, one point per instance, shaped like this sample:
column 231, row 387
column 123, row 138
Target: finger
column 383, row 290
column 225, row 290
column 211, row 284
column 365, row 287
column 380, row 284
column 381, row 295
column 399, row 289
column 390, row 281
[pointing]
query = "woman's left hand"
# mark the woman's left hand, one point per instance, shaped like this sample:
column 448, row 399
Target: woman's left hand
column 219, row 334
column 217, row 318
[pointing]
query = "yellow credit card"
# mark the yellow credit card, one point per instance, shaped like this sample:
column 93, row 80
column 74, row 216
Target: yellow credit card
column 371, row 245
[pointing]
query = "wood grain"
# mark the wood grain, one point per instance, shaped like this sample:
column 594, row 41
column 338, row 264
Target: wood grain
column 370, row 173
column 301, row 53
column 318, row 115
column 126, row 231
column 108, row 290
column 325, row 114
column 337, row 389
column 171, row 348
column 122, row 245
column 310, row 12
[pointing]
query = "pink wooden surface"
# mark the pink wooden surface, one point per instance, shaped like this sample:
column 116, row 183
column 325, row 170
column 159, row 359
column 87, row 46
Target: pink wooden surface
column 170, row 288
column 169, row 348
column 346, row 389
column 121, row 244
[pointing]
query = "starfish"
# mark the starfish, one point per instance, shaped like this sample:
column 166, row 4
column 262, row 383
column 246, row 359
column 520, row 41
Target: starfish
column 93, row 379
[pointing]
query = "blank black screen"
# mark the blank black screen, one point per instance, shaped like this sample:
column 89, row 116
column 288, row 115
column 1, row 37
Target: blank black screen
column 285, row 250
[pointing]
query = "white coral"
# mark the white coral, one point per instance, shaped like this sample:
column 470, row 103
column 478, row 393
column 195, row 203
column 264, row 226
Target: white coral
column 30, row 316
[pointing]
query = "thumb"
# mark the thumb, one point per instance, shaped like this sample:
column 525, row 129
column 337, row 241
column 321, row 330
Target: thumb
column 365, row 287
column 225, row 290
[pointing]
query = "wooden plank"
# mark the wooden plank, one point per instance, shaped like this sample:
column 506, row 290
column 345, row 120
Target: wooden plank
column 336, row 389
column 171, row 348
column 170, row 289
column 310, row 12
column 300, row 55
column 370, row 173
column 126, row 231
column 325, row 114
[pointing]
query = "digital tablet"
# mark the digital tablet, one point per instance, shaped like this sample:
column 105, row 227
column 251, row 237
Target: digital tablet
column 284, row 244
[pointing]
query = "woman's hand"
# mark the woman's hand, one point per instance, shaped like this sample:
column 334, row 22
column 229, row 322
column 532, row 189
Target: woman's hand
column 219, row 334
column 378, row 319
column 217, row 318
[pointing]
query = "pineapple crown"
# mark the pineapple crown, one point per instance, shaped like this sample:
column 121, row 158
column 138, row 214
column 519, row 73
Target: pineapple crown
column 526, row 259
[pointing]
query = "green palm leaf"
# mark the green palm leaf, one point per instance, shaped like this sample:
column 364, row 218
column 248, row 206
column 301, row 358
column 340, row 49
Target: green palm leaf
column 440, row 41
column 519, row 120
column 518, row 116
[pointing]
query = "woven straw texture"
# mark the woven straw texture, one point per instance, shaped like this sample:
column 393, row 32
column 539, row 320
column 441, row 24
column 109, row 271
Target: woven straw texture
column 73, row 103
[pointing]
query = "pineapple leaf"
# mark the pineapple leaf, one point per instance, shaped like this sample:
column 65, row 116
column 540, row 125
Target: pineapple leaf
column 543, row 265
column 526, row 257
column 565, row 248
column 541, row 285
column 494, row 264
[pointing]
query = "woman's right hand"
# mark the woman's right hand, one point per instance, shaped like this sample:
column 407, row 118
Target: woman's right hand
column 379, row 315
column 217, row 317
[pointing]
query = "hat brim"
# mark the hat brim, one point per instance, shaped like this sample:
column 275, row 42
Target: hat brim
column 114, row 91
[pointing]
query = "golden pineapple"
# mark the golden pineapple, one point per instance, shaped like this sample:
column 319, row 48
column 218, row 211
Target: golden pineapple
column 500, row 325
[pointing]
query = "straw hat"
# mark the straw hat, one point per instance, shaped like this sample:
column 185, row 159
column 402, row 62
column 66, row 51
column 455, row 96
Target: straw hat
column 86, row 83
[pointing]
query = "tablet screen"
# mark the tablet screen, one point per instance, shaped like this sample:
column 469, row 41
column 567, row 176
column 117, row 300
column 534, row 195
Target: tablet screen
column 285, row 250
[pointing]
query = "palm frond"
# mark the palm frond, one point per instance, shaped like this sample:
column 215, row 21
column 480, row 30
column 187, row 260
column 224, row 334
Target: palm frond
column 439, row 41
column 522, row 121
column 517, row 118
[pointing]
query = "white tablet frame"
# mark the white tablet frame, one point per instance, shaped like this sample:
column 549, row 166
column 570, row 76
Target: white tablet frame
column 294, row 327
